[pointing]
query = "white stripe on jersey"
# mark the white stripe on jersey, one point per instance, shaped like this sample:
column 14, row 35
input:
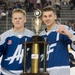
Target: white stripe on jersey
column 63, row 70
column 10, row 72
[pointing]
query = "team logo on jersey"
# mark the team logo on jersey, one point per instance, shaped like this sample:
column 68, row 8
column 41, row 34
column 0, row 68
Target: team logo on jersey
column 50, row 49
column 17, row 56
column 9, row 42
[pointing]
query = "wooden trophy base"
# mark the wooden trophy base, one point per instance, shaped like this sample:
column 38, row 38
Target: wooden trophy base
column 45, row 73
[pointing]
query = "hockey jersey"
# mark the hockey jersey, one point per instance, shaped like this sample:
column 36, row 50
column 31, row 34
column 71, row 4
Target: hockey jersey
column 12, row 48
column 57, row 51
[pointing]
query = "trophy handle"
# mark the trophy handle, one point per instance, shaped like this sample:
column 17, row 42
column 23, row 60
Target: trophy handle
column 24, row 71
column 24, row 54
column 45, row 54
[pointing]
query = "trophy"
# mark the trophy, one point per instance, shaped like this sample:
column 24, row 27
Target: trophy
column 35, row 51
column 37, row 41
column 37, row 21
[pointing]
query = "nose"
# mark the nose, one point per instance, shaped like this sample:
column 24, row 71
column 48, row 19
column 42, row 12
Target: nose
column 17, row 19
column 47, row 18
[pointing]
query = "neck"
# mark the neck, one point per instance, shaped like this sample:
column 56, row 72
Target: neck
column 18, row 29
column 50, row 27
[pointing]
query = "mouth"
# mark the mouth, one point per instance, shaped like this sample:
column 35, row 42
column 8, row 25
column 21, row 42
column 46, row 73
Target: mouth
column 17, row 23
column 48, row 22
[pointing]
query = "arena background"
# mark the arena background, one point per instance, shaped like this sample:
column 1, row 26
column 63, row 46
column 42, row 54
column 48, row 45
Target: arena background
column 65, row 11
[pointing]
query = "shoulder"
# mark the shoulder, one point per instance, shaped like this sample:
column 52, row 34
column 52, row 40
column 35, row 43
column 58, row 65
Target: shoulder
column 29, row 32
column 6, row 33
column 42, row 33
column 69, row 29
column 66, row 26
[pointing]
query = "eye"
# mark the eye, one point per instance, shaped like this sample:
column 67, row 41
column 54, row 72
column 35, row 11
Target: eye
column 15, row 18
column 44, row 16
column 20, row 18
column 50, row 15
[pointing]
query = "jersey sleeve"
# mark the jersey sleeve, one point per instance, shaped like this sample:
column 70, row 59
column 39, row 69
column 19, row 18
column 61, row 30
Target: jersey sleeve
column 3, row 43
column 72, row 39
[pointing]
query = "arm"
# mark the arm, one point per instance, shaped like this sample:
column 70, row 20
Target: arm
column 69, row 33
column 3, row 43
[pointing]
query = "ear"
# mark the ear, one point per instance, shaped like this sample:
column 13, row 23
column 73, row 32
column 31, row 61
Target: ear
column 25, row 20
column 55, row 17
column 12, row 20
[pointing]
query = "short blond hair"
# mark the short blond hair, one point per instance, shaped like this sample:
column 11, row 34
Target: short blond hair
column 18, row 10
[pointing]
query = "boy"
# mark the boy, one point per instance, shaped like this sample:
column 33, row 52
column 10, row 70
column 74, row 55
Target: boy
column 11, row 45
column 58, row 36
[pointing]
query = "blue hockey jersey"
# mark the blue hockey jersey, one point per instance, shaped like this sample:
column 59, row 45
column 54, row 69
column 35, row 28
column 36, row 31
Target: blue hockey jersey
column 11, row 47
column 57, row 52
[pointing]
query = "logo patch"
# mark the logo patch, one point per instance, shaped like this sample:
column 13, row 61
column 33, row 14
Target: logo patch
column 9, row 42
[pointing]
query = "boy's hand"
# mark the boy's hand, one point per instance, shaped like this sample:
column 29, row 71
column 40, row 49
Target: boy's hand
column 63, row 30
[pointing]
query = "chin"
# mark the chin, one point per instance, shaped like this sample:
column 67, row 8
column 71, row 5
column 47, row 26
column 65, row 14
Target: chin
column 18, row 27
column 48, row 25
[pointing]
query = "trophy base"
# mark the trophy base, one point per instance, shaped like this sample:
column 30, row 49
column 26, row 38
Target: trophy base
column 45, row 73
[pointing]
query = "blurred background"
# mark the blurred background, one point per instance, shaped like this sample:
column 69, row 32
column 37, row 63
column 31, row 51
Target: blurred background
column 65, row 12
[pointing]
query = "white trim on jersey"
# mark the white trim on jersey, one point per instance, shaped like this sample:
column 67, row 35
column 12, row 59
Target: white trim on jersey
column 10, row 72
column 59, row 67
column 63, row 70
